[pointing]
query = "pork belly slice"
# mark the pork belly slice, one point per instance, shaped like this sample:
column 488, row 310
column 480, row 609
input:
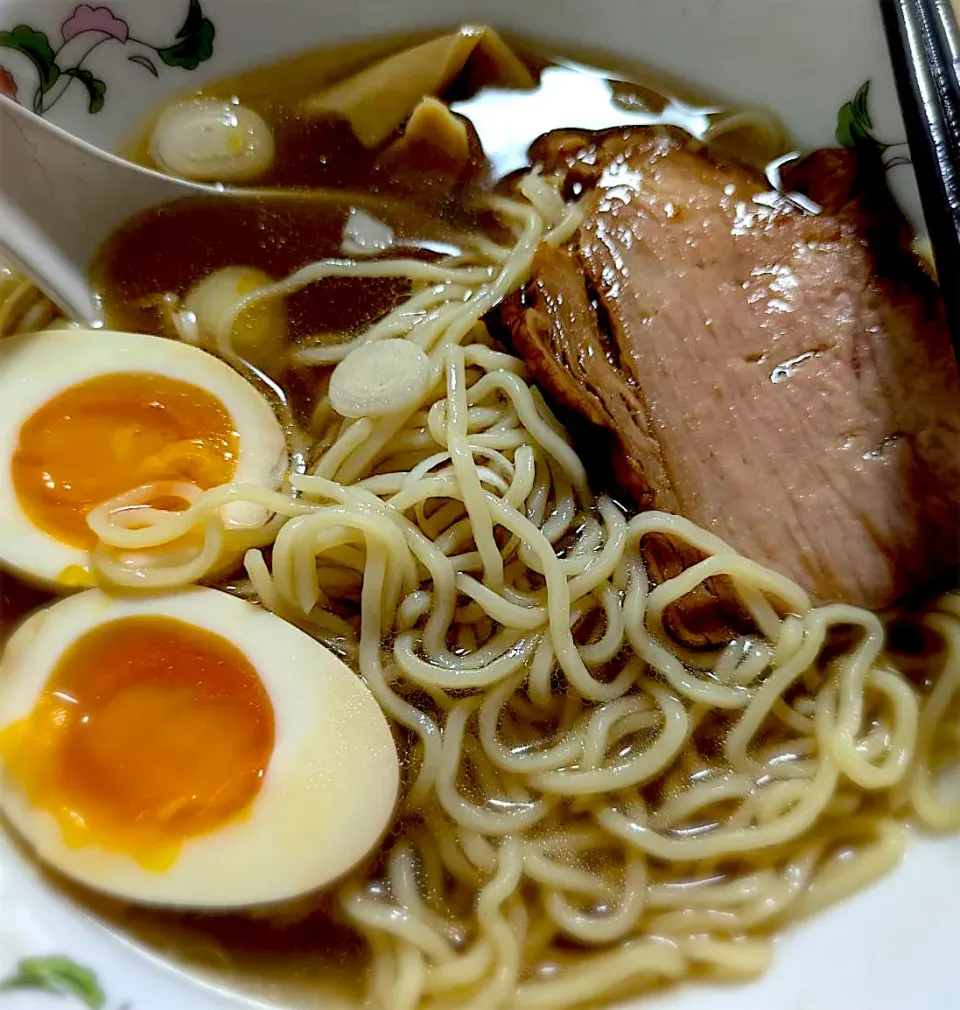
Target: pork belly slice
column 782, row 378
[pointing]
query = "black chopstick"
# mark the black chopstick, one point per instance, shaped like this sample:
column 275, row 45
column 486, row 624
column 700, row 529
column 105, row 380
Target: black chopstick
column 924, row 44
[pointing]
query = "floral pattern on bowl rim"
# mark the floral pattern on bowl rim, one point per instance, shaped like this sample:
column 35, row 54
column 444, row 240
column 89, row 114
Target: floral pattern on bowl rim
column 58, row 976
column 81, row 34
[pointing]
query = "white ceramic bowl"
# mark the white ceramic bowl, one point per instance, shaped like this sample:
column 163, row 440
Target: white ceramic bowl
column 96, row 70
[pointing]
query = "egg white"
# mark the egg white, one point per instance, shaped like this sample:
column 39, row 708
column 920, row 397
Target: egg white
column 328, row 794
column 36, row 367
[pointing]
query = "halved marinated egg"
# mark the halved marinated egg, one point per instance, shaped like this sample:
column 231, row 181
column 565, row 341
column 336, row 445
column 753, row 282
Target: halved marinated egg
column 189, row 750
column 87, row 416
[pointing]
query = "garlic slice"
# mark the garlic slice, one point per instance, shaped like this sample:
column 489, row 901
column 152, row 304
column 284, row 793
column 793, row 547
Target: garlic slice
column 257, row 334
column 209, row 140
column 380, row 378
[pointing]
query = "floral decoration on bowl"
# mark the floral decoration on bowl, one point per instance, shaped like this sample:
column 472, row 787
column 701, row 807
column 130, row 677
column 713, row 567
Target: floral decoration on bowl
column 58, row 63
column 58, row 976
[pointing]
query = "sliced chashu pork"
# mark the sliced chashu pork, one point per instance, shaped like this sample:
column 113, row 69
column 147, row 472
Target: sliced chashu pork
column 784, row 379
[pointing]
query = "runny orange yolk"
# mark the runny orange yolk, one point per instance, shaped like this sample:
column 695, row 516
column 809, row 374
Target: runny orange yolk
column 150, row 731
column 114, row 433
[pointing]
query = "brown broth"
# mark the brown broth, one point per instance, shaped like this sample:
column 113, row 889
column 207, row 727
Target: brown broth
column 311, row 151
column 576, row 89
column 170, row 249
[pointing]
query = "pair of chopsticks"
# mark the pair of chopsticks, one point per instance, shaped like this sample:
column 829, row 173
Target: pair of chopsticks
column 924, row 44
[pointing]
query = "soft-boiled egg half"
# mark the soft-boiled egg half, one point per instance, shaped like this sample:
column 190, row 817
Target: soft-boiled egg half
column 89, row 415
column 189, row 750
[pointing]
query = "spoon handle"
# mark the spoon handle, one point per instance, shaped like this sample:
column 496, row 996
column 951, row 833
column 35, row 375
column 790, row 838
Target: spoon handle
column 60, row 198
column 25, row 243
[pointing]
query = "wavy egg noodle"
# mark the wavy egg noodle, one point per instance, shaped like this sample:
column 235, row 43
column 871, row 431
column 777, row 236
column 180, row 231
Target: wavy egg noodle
column 23, row 307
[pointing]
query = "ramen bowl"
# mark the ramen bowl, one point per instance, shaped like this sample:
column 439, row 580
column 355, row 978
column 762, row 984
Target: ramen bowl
column 98, row 71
